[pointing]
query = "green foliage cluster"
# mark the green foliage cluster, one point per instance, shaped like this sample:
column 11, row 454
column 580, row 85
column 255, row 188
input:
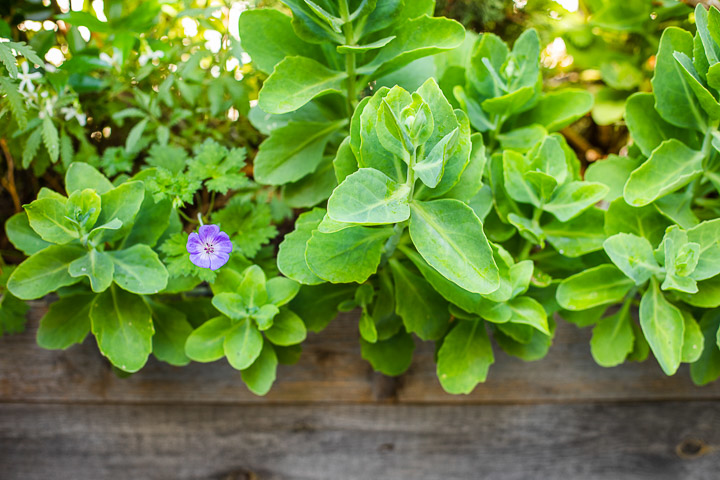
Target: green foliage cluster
column 435, row 194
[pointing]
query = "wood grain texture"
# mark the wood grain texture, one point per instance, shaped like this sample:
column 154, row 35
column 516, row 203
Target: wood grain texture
column 363, row 442
column 331, row 370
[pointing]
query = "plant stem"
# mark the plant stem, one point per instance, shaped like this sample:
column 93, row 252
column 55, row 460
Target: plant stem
column 185, row 217
column 349, row 58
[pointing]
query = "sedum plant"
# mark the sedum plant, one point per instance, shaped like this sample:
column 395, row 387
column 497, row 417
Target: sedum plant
column 662, row 225
column 320, row 62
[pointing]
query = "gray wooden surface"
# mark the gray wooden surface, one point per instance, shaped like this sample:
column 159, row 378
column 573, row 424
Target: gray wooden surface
column 64, row 415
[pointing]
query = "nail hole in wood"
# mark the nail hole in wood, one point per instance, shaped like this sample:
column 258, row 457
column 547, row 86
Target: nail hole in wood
column 691, row 448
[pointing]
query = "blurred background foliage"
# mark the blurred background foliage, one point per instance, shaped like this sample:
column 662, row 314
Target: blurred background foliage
column 119, row 77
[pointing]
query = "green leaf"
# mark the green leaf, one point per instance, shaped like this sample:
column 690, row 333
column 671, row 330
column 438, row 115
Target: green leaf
column 468, row 301
column 612, row 171
column 205, row 343
column 671, row 166
column 265, row 316
column 171, row 332
column 390, row 357
column 449, row 236
column 291, row 253
column 367, row 328
column 16, row 103
column 415, row 39
column 707, row 368
column 581, row 235
column 318, row 305
column 707, row 296
column 613, row 338
column 22, row 236
column 32, row 144
column 557, row 110
column 48, row 217
column 706, row 235
column 369, row 197
column 633, row 255
column 295, row 81
column 528, row 311
column 293, row 151
column 122, row 325
column 516, row 183
column 674, row 99
column 231, row 304
column 44, row 272
column 423, row 310
column 66, row 322
column 252, row 289
column 268, row 37
column 139, row 270
column 281, row 290
column 431, row 168
column 287, row 329
column 344, row 162
column 644, row 221
column 692, row 339
column 573, row 198
column 242, row 345
column 122, row 202
column 249, row 224
column 350, row 255
column 80, row 176
column 51, row 138
column 693, row 80
column 464, row 357
column 95, row 265
column 663, row 326
column 260, row 376
column 593, row 287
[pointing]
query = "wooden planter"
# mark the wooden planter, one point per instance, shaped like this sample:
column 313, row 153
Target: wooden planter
column 65, row 415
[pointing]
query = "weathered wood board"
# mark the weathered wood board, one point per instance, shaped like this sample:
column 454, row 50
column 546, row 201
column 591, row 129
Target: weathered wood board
column 65, row 415
column 360, row 442
column 331, row 370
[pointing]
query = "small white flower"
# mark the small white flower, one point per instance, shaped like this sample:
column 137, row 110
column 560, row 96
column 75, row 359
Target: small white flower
column 149, row 56
column 71, row 112
column 26, row 78
column 113, row 61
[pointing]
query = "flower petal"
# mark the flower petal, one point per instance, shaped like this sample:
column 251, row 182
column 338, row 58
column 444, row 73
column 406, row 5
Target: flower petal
column 218, row 259
column 194, row 245
column 202, row 260
column 224, row 246
column 208, row 232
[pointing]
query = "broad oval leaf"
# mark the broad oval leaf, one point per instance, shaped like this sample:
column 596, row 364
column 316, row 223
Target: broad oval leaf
column 44, row 272
column 349, row 255
column 464, row 357
column 671, row 166
column 593, row 287
column 664, row 328
column 139, row 270
column 295, row 81
column 122, row 325
column 369, row 197
column 450, row 237
column 242, row 345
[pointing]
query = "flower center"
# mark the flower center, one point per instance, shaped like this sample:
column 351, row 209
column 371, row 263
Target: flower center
column 209, row 248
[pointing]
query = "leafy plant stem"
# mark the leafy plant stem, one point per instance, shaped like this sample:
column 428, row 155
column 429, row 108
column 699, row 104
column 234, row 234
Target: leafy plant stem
column 349, row 58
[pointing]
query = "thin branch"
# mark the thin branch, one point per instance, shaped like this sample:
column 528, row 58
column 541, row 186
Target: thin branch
column 9, row 182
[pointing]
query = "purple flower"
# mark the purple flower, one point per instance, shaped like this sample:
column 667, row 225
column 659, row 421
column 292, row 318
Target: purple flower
column 210, row 248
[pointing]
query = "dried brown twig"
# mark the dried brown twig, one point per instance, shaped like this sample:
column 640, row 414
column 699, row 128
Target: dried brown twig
column 9, row 181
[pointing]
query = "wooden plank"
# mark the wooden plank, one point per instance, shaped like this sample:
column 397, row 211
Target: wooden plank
column 332, row 370
column 655, row 441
